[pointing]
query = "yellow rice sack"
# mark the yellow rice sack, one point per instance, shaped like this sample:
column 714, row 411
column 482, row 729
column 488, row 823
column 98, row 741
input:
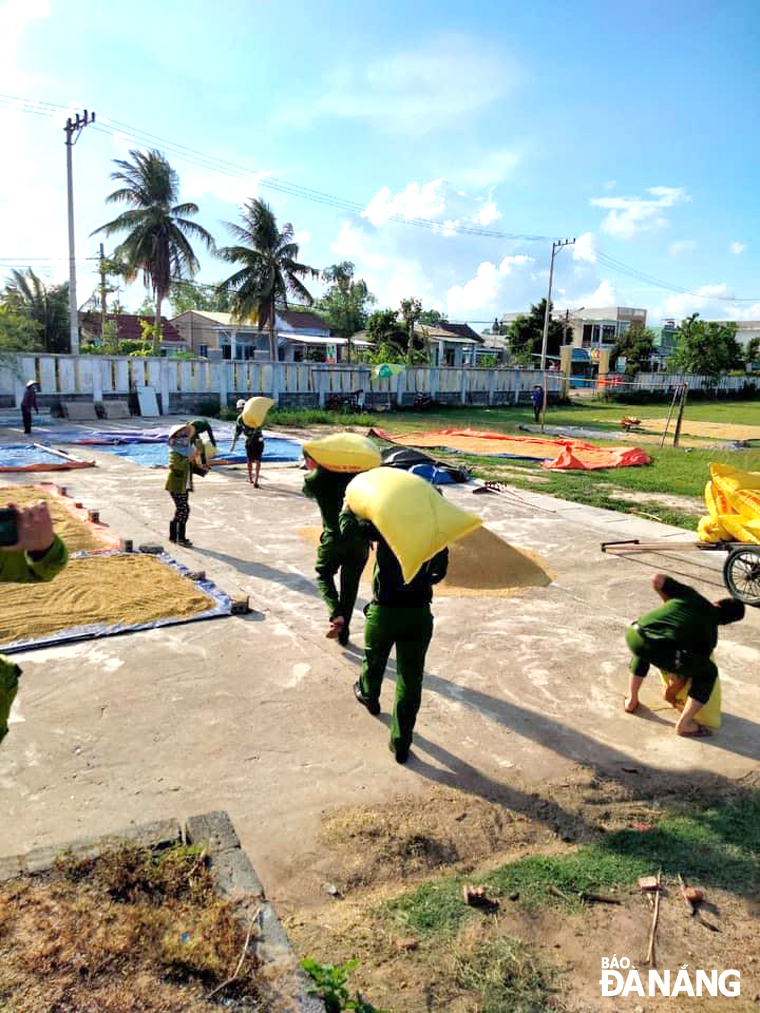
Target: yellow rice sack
column 347, row 452
column 730, row 479
column 255, row 411
column 412, row 517
column 710, row 713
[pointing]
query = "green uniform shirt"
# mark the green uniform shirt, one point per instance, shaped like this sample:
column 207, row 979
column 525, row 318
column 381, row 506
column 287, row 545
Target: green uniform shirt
column 178, row 479
column 328, row 489
column 250, row 432
column 32, row 568
column 202, row 426
column 388, row 587
column 686, row 621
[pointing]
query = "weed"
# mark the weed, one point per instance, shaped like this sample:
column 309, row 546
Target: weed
column 504, row 974
column 331, row 985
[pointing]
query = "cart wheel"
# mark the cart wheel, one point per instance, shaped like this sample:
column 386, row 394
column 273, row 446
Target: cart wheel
column 741, row 573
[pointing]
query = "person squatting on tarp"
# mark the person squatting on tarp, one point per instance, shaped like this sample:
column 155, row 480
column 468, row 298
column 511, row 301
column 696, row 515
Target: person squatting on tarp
column 337, row 554
column 398, row 614
column 254, row 444
column 679, row 638
column 36, row 555
column 537, row 400
column 29, row 402
column 179, row 482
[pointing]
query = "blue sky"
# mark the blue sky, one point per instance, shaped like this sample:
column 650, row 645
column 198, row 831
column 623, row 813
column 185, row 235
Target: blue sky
column 634, row 128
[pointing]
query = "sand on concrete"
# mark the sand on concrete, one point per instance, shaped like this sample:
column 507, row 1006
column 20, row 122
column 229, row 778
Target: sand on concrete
column 78, row 534
column 109, row 590
column 480, row 564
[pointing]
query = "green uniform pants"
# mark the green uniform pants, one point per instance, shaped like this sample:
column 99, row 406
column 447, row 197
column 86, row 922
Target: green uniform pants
column 669, row 658
column 9, row 674
column 411, row 630
column 349, row 558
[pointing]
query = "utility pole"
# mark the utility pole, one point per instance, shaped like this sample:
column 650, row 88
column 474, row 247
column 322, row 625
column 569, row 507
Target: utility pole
column 72, row 130
column 556, row 245
column 102, row 294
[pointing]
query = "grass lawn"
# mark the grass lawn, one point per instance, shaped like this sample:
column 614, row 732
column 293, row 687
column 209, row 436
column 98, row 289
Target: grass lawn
column 679, row 472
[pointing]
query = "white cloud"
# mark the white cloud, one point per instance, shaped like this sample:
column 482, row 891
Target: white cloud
column 436, row 86
column 681, row 246
column 630, row 215
column 713, row 302
column 489, row 168
column 196, row 183
column 426, row 201
column 15, row 17
column 737, row 248
column 352, row 244
column 485, row 294
column 489, row 212
column 610, row 184
column 583, row 250
column 605, row 295
column 302, row 237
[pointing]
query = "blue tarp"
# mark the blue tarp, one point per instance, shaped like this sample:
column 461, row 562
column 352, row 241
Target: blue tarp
column 438, row 476
column 20, row 455
column 222, row 607
column 151, row 455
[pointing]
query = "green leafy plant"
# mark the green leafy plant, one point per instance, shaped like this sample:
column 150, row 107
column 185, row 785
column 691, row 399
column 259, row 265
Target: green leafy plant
column 331, row 986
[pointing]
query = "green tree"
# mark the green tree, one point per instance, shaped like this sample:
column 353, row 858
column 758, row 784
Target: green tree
column 637, row 345
column 269, row 268
column 345, row 304
column 431, row 318
column 188, row 295
column 752, row 351
column 526, row 334
column 706, row 347
column 383, row 329
column 47, row 306
column 410, row 310
column 18, row 332
column 158, row 229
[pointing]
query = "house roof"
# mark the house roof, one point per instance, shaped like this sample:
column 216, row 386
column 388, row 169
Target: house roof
column 462, row 331
column 460, row 334
column 128, row 327
column 303, row 321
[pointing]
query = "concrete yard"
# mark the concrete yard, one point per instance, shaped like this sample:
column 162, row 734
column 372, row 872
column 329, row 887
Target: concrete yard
column 256, row 714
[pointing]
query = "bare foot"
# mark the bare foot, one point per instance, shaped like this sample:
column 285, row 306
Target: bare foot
column 630, row 705
column 256, row 485
column 336, row 625
column 693, row 731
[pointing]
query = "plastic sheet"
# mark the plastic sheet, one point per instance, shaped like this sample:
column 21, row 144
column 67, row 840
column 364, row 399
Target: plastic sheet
column 222, row 607
column 154, row 455
column 20, row 457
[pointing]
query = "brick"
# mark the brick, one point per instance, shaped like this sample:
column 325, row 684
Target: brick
column 234, row 875
column 41, row 859
column 212, row 830
column 10, row 868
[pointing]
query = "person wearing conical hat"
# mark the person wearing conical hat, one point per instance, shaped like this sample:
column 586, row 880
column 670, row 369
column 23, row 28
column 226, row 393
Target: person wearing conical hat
column 29, row 402
column 179, row 482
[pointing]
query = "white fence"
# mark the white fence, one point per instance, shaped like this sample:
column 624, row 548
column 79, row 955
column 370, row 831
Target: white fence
column 97, row 377
column 662, row 381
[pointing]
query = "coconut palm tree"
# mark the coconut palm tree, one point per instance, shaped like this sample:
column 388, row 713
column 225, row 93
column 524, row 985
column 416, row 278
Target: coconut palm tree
column 46, row 305
column 269, row 268
column 158, row 228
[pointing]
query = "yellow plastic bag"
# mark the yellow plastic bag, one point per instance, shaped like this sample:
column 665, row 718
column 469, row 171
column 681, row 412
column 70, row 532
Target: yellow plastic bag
column 412, row 517
column 347, row 452
column 710, row 713
column 255, row 411
column 730, row 479
column 732, row 498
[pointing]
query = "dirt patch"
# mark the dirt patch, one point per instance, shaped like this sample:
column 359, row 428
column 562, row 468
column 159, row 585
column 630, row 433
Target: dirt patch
column 710, row 430
column 129, row 931
column 686, row 504
column 123, row 589
column 76, row 532
column 480, row 564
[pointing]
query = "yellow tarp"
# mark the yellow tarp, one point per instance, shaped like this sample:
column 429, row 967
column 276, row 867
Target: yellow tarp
column 733, row 504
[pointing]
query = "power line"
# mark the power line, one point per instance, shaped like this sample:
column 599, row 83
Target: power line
column 200, row 159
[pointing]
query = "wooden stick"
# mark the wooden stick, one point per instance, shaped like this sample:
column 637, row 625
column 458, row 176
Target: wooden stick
column 655, row 918
column 229, row 981
column 596, row 898
column 676, row 393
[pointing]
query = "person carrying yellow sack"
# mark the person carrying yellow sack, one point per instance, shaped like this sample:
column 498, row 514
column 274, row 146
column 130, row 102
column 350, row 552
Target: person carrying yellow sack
column 32, row 553
column 411, row 525
column 679, row 638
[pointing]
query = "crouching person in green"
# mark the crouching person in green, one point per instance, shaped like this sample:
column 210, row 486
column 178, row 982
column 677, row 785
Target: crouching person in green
column 399, row 614
column 337, row 554
column 679, row 638
column 38, row 555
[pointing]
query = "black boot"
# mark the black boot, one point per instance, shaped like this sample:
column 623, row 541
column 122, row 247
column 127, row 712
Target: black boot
column 181, row 537
column 172, row 531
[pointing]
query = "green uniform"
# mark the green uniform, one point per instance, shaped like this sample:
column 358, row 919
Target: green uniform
column 399, row 614
column 678, row 637
column 24, row 568
column 178, row 479
column 336, row 553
